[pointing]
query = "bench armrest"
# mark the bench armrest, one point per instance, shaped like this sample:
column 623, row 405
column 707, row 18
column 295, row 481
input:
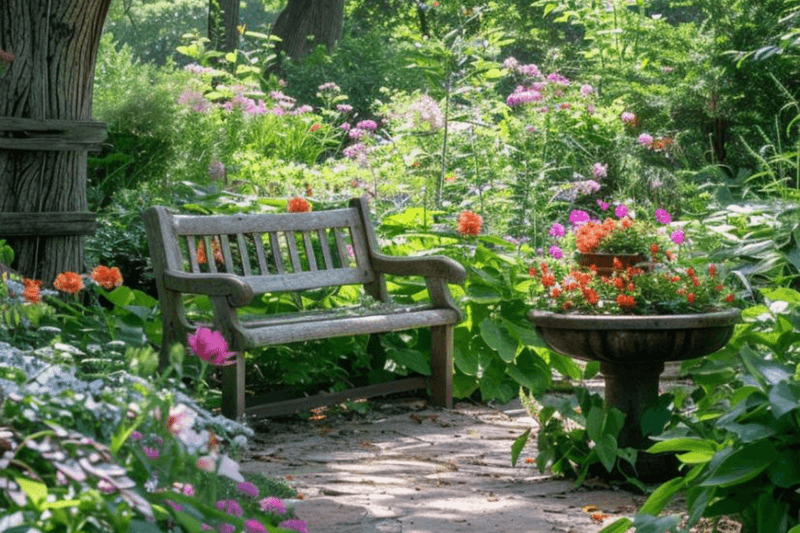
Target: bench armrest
column 235, row 288
column 433, row 266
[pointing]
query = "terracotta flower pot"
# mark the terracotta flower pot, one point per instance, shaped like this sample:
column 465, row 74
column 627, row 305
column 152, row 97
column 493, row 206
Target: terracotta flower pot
column 605, row 262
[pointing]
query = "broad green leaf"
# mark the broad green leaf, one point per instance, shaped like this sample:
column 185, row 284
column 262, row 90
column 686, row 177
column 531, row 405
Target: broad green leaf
column 621, row 525
column 412, row 359
column 565, row 366
column 653, row 524
column 607, row 451
column 683, row 445
column 519, row 444
column 499, row 339
column 770, row 372
column 140, row 526
column 698, row 457
column 784, row 398
column 742, row 465
column 661, row 497
column 530, row 371
column 595, row 419
column 34, row 490
column 785, row 471
column 465, row 360
column 464, row 386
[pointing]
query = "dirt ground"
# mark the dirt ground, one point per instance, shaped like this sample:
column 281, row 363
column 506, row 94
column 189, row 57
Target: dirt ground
column 406, row 467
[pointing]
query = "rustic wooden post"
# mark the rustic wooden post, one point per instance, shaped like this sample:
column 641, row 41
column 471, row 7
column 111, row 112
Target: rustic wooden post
column 46, row 130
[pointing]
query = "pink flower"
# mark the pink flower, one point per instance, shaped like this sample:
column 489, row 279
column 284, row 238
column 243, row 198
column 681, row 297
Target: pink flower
column 600, row 170
column 227, row 528
column 231, row 507
column 273, row 505
column 248, row 489
column 556, row 252
column 645, row 139
column 210, row 346
column 578, row 217
column 627, row 117
column 663, row 216
column 557, row 230
column 254, row 526
column 206, row 463
column 174, row 505
column 620, row 211
column 151, row 453
column 298, row 525
column 603, row 205
column 135, row 435
column 586, row 90
column 677, row 236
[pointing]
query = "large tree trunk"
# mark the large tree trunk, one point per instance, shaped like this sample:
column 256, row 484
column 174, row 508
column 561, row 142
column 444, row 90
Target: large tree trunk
column 223, row 19
column 304, row 24
column 54, row 43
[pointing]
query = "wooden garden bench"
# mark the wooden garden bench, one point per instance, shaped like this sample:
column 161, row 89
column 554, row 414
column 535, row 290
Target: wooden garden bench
column 291, row 252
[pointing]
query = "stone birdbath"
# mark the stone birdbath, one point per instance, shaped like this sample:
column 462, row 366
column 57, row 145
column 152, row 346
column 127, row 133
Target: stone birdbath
column 632, row 350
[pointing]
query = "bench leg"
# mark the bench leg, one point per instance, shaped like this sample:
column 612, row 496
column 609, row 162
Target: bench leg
column 442, row 365
column 233, row 389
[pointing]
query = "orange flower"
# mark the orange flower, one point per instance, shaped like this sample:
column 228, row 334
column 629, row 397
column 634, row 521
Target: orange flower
column 314, row 127
column 555, row 292
column 617, row 264
column 625, row 301
column 718, row 288
column 626, row 222
column 712, row 270
column 654, row 248
column 298, row 205
column 591, row 296
column 690, row 272
column 469, row 223
column 599, row 517
column 68, row 282
column 566, row 305
column 108, row 278
column 670, row 255
column 631, row 287
column 201, row 253
column 548, row 280
column 690, row 297
column 532, row 271
column 216, row 249
column 681, row 291
column 729, row 298
column 695, row 281
column 32, row 293
column 619, row 283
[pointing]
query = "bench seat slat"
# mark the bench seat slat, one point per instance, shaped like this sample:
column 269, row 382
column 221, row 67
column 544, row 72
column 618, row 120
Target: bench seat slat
column 300, row 281
column 261, row 335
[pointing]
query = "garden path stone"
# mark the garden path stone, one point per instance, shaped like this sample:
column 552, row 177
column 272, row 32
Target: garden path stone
column 406, row 467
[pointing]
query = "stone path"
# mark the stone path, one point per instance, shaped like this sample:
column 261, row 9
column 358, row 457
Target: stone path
column 405, row 467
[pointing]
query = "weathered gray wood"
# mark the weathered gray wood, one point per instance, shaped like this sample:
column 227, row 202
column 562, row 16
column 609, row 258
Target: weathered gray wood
column 47, row 224
column 51, row 135
column 230, row 290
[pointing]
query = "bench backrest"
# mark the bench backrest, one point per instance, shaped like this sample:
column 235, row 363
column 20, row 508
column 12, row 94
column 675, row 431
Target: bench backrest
column 286, row 251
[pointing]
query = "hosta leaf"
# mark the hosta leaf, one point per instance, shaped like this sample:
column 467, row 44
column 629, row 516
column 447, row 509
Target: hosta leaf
column 742, row 465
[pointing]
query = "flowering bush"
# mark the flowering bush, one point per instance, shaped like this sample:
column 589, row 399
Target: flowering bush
column 661, row 282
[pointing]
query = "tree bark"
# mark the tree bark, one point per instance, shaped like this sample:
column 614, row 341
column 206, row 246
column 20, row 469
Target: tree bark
column 223, row 19
column 304, row 24
column 54, row 43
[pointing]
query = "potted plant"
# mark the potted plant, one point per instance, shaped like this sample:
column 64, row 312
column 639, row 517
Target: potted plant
column 658, row 304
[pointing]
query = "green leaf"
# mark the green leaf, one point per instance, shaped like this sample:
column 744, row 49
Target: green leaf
column 140, row 526
column 683, row 445
column 653, row 524
column 36, row 491
column 784, row 398
column 661, row 497
column 412, row 359
column 498, row 339
column 595, row 419
column 530, row 371
column 742, row 465
column 785, row 471
column 769, row 372
column 519, row 444
column 621, row 525
column 464, row 386
column 607, row 451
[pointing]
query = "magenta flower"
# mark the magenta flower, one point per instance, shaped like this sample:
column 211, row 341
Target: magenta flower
column 627, row 117
column 368, row 125
column 603, row 205
column 557, row 230
column 254, row 526
column 227, row 528
column 344, row 108
column 600, row 170
column 556, row 252
column 298, row 525
column 677, row 236
column 230, row 506
column 586, row 90
column 273, row 505
column 663, row 216
column 645, row 139
column 210, row 346
column 135, row 435
column 151, row 453
column 578, row 217
column 620, row 211
column 174, row 505
column 248, row 489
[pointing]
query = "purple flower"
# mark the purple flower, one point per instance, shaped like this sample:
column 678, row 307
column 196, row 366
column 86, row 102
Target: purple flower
column 135, row 435
column 298, row 525
column 600, row 170
column 603, row 205
column 620, row 211
column 663, row 216
column 557, row 230
column 227, row 528
column 210, row 346
column 627, row 117
column 586, row 90
column 248, row 489
column 344, row 108
column 273, row 505
column 151, row 453
column 254, row 526
column 645, row 139
column 369, row 125
column 556, row 252
column 677, row 236
column 330, row 86
column 230, row 506
column 578, row 217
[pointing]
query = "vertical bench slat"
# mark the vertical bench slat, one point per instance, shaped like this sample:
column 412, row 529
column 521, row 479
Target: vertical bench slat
column 242, row 242
column 359, row 247
column 227, row 254
column 312, row 260
column 262, row 260
column 291, row 242
column 275, row 245
column 191, row 249
column 211, row 260
column 340, row 247
column 326, row 251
